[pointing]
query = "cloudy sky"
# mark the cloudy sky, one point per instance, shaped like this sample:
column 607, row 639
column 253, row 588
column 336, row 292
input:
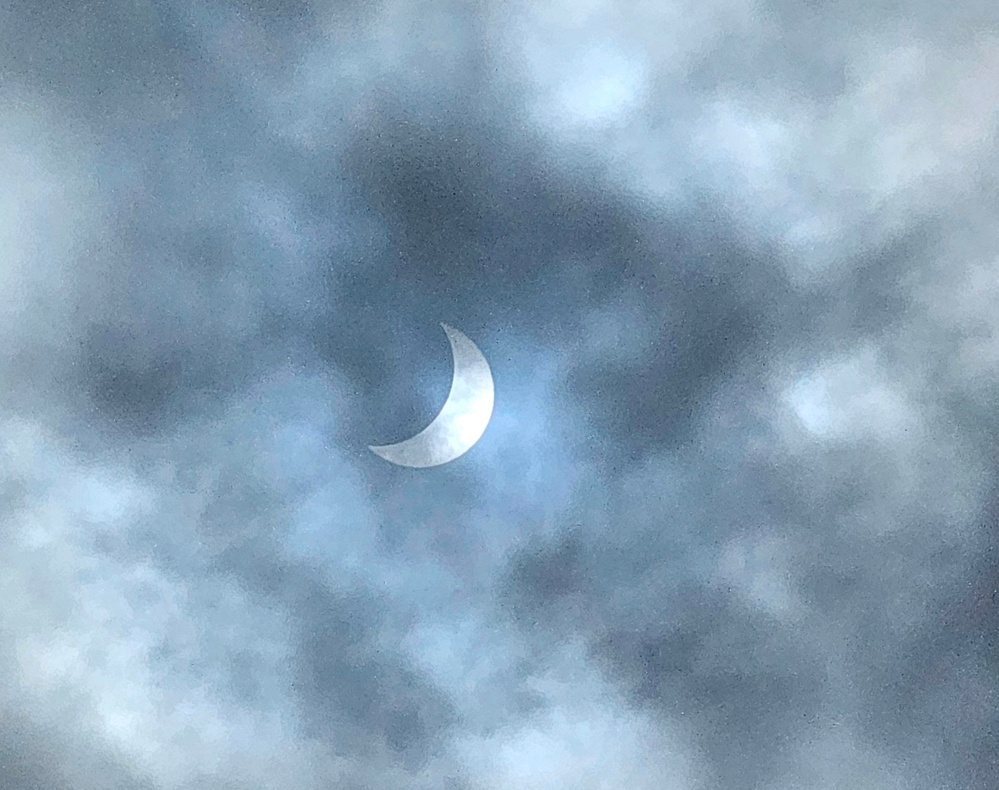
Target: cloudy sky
column 734, row 522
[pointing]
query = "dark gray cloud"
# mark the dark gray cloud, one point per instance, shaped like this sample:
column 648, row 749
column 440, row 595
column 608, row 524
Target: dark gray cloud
column 733, row 522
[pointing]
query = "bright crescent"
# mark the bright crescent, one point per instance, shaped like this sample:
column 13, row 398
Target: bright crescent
column 462, row 421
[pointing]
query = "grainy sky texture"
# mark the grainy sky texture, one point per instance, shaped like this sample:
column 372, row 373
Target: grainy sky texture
column 734, row 523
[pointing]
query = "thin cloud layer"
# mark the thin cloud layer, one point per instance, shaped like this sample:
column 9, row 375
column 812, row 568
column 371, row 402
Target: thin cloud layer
column 733, row 522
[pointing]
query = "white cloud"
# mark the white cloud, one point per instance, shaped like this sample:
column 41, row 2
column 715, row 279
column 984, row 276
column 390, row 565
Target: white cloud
column 587, row 739
column 853, row 396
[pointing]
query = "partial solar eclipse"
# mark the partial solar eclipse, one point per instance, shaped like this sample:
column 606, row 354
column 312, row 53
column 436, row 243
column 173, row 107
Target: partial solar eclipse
column 462, row 421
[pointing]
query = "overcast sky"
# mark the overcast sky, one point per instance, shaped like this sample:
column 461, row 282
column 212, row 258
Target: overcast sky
column 734, row 522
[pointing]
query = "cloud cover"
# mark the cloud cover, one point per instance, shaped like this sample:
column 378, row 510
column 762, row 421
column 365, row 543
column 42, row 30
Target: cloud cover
column 733, row 524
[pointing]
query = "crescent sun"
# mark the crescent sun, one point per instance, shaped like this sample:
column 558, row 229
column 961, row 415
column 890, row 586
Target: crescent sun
column 462, row 420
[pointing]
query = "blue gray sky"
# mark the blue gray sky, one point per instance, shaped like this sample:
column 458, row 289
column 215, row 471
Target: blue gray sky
column 734, row 523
